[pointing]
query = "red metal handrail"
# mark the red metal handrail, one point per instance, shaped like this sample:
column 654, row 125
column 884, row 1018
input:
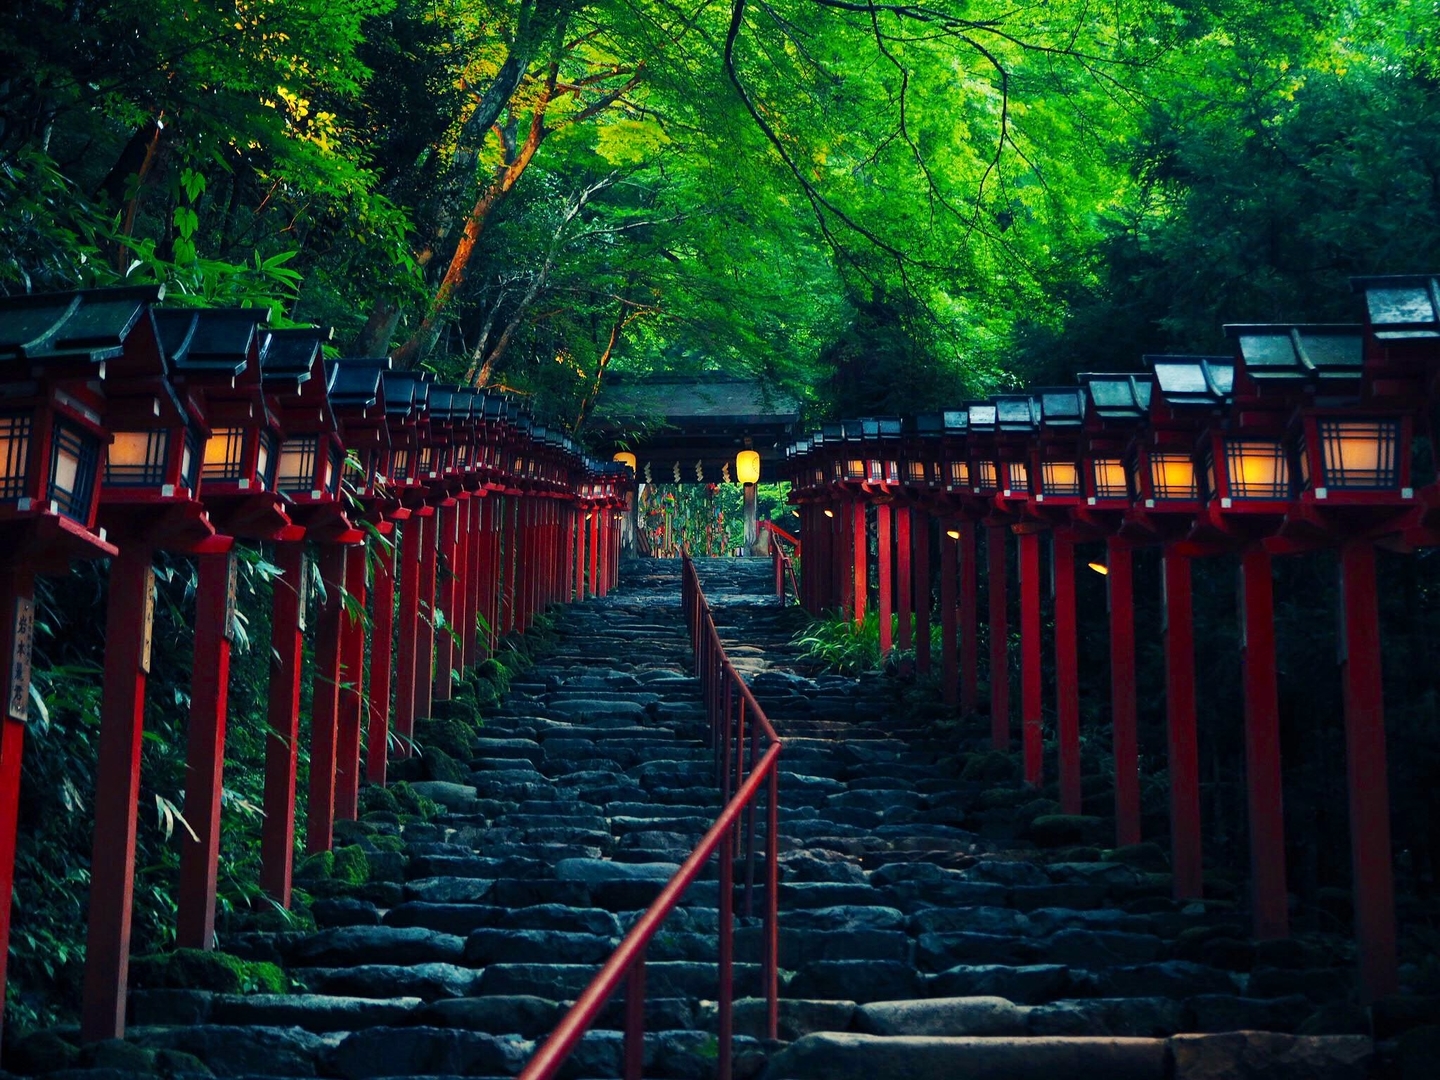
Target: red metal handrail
column 784, row 565
column 728, row 702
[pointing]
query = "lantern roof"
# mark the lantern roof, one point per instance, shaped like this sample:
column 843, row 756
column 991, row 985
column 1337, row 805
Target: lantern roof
column 927, row 424
column 832, row 431
column 1016, row 412
column 216, row 341
column 357, row 382
column 1193, row 380
column 1278, row 351
column 877, row 427
column 89, row 326
column 289, row 356
column 1061, row 406
column 1401, row 306
column 405, row 393
column 983, row 416
column 956, row 421
column 1118, row 396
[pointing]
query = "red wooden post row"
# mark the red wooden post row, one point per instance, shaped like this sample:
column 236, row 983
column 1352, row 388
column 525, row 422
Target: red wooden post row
column 1299, row 440
column 139, row 429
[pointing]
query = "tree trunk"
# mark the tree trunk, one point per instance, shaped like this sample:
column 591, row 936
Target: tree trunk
column 374, row 337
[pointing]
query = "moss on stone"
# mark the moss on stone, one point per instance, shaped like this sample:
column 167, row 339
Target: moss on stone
column 411, row 802
column 453, row 735
column 373, row 797
column 197, row 969
column 316, row 867
column 352, row 866
column 441, row 766
column 991, row 767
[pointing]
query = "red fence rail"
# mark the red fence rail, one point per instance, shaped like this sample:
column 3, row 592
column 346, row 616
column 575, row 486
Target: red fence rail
column 784, row 564
column 747, row 760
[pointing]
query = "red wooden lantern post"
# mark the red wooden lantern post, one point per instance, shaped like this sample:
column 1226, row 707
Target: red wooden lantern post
column 1115, row 405
column 880, row 444
column 215, row 367
column 987, row 477
column 921, row 477
column 150, row 501
column 1057, row 474
column 358, row 399
column 1247, row 462
column 959, row 673
column 1017, row 420
column 1169, row 486
column 311, row 467
column 56, row 357
column 406, row 396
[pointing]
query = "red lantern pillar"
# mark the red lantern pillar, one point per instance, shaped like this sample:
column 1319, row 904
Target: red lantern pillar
column 1262, row 748
column 1032, row 736
column 474, row 561
column 995, row 540
column 594, row 517
column 351, row 705
column 969, row 618
column 128, row 624
column 325, row 701
column 1125, row 743
column 1067, row 672
column 905, row 602
column 860, row 551
column 205, row 746
column 425, row 627
column 446, row 592
column 884, row 562
column 381, row 656
column 843, row 586
column 1370, row 855
column 949, row 673
column 1183, row 752
column 413, row 541
column 277, row 831
column 17, row 622
column 920, row 544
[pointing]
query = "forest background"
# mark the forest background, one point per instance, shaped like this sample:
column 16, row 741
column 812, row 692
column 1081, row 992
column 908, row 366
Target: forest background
column 879, row 207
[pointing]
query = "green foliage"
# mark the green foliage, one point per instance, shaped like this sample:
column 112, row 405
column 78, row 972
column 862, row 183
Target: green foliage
column 196, row 969
column 840, row 643
column 351, row 866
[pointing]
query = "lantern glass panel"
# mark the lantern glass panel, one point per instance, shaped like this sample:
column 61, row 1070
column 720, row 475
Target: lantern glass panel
column 426, row 464
column 874, row 473
column 1060, row 477
column 819, row 475
column 1257, row 469
column 266, row 460
column 400, row 465
column 14, row 454
column 74, row 461
column 915, row 472
column 1361, row 453
column 1110, row 481
column 1017, row 476
column 985, row 475
column 190, row 460
column 855, row 469
column 334, row 468
column 297, row 464
column 137, row 459
column 1172, row 476
column 225, row 454
column 959, row 474
column 936, row 476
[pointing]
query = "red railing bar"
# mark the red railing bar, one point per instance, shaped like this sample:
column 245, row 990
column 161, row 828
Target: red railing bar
column 722, row 689
column 582, row 1014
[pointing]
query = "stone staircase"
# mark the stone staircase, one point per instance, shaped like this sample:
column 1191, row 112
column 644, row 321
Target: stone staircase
column 921, row 935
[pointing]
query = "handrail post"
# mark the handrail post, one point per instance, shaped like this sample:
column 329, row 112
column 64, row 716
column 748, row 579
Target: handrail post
column 772, row 905
column 634, row 1051
column 726, row 972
